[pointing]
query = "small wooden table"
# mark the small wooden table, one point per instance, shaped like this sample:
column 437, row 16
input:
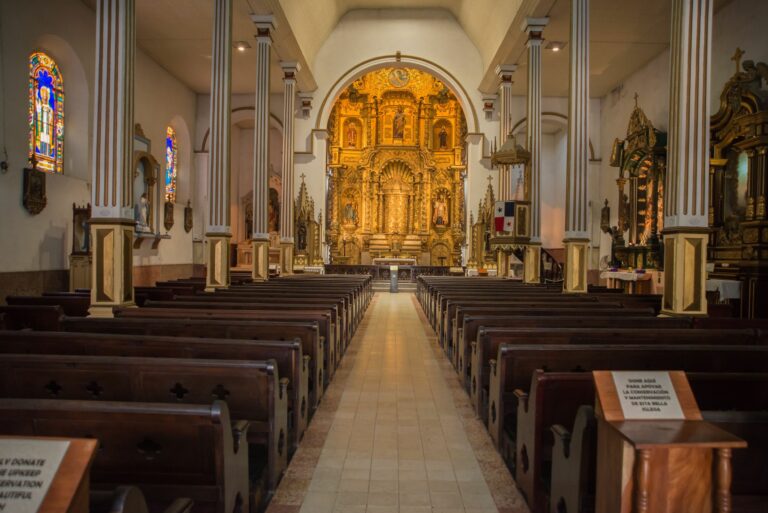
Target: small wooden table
column 70, row 487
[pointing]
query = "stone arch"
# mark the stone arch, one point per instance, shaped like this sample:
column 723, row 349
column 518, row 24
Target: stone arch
column 560, row 119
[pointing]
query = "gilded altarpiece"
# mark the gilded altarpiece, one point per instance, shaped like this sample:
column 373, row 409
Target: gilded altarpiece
column 738, row 244
column 396, row 170
column 641, row 159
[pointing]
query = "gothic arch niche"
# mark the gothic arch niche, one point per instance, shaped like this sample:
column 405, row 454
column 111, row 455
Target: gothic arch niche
column 406, row 169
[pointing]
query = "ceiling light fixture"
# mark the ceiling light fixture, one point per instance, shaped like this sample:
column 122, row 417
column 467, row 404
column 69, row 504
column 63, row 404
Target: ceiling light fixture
column 241, row 46
column 555, row 46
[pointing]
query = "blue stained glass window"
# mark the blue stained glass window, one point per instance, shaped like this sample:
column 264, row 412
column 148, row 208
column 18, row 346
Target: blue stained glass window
column 171, row 164
column 46, row 113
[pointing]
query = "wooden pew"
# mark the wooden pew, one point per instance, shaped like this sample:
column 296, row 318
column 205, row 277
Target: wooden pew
column 43, row 317
column 166, row 450
column 75, row 305
column 323, row 320
column 574, row 459
column 554, row 399
column 307, row 332
column 286, row 354
column 515, row 364
column 252, row 390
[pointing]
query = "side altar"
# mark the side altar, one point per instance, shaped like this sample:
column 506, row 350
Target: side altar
column 396, row 171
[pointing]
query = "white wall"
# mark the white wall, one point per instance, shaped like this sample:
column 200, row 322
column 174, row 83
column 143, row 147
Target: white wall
column 66, row 30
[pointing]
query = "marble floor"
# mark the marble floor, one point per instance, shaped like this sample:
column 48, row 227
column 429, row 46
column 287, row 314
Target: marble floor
column 395, row 431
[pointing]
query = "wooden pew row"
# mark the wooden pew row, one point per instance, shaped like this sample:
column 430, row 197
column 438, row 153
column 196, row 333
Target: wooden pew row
column 554, row 399
column 286, row 354
column 253, row 392
column 491, row 340
column 42, row 317
column 200, row 313
column 472, row 322
column 74, row 305
column 306, row 332
column 333, row 333
column 515, row 365
column 146, row 444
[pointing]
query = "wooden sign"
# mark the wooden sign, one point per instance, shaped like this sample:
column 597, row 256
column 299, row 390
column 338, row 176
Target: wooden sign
column 27, row 468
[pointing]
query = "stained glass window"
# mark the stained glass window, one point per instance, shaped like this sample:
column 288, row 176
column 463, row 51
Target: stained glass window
column 171, row 164
column 46, row 113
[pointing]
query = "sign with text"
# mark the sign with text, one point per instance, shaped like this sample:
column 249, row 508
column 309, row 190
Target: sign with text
column 647, row 395
column 27, row 468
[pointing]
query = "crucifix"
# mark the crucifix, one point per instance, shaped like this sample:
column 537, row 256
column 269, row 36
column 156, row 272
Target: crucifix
column 302, row 176
column 636, row 97
column 737, row 55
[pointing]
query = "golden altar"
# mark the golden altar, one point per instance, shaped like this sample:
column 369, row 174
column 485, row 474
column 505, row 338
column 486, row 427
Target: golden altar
column 397, row 170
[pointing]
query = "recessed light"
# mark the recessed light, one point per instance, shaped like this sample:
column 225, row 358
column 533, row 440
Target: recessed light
column 241, row 46
column 555, row 46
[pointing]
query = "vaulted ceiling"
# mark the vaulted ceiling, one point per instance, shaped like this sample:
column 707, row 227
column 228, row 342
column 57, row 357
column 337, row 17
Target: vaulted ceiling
column 624, row 35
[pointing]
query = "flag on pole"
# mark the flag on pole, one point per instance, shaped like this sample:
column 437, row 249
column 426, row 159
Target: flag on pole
column 504, row 216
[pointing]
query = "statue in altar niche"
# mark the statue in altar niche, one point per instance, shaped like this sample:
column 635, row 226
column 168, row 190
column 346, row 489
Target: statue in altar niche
column 141, row 214
column 351, row 135
column 440, row 212
column 443, row 138
column 398, row 124
column 273, row 210
column 301, row 237
column 350, row 214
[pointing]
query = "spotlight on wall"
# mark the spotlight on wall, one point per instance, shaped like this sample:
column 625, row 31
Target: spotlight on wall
column 555, row 46
column 241, row 46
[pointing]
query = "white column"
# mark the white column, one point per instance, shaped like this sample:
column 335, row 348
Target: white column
column 505, row 72
column 532, row 262
column 112, row 220
column 290, row 69
column 576, row 230
column 686, row 188
column 218, row 229
column 264, row 27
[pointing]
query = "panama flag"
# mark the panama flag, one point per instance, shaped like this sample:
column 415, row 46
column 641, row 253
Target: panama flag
column 504, row 216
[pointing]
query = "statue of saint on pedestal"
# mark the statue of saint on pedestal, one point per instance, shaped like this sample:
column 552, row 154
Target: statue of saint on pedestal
column 141, row 214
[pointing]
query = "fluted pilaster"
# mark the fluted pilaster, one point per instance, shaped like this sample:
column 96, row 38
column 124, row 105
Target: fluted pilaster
column 264, row 27
column 505, row 124
column 534, row 27
column 687, row 185
column 290, row 69
column 576, row 201
column 112, row 224
column 218, row 231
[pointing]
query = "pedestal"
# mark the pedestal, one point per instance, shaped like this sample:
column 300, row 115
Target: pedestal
column 79, row 271
column 260, row 270
column 685, row 262
column 217, row 261
column 532, row 264
column 502, row 263
column 576, row 251
column 286, row 257
column 112, row 270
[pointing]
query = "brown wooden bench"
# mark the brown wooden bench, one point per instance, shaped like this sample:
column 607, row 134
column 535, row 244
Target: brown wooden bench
column 286, row 354
column 76, row 306
column 166, row 450
column 252, row 390
column 43, row 317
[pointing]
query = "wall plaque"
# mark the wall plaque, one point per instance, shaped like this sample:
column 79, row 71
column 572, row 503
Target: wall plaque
column 647, row 395
column 27, row 468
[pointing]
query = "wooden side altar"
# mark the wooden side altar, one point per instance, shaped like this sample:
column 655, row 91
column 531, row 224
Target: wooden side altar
column 655, row 454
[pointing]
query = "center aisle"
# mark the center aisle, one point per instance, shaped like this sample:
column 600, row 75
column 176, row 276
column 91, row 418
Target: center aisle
column 395, row 431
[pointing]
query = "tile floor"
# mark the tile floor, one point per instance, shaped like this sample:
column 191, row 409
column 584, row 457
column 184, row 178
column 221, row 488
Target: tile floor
column 400, row 439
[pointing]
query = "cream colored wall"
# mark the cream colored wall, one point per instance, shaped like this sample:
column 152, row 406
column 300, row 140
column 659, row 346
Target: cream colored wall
column 66, row 30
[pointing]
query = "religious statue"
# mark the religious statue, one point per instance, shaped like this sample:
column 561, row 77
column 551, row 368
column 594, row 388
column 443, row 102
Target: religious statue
column 141, row 214
column 44, row 122
column 248, row 220
column 273, row 211
column 301, row 243
column 440, row 214
column 350, row 214
column 351, row 136
column 443, row 138
column 398, row 124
